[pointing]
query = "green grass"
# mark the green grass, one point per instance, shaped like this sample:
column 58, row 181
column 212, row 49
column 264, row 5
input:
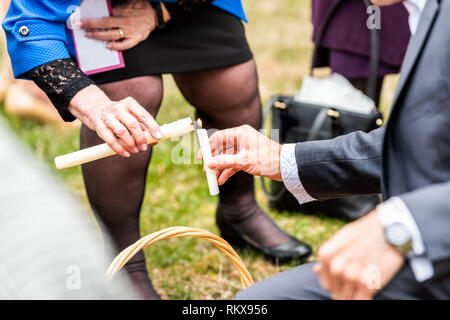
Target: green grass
column 279, row 33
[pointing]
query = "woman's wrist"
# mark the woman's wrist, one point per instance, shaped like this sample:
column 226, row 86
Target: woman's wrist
column 166, row 14
column 85, row 102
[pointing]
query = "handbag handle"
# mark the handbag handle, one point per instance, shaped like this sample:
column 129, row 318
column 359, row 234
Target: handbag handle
column 374, row 48
column 317, row 125
column 267, row 193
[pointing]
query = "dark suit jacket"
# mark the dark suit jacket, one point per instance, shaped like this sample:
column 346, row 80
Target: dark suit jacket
column 410, row 156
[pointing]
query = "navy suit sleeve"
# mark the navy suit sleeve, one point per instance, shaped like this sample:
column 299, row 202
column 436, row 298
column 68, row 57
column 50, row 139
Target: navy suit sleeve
column 430, row 207
column 46, row 40
column 347, row 165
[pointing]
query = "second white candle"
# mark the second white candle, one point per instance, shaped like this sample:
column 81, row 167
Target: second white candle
column 203, row 140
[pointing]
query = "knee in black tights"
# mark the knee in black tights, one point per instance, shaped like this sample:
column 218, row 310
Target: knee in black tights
column 224, row 98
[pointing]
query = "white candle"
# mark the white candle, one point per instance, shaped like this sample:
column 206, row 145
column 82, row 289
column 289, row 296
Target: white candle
column 100, row 151
column 203, row 141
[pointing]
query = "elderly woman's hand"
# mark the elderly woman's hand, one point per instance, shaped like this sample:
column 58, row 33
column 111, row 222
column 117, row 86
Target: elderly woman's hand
column 124, row 125
column 244, row 149
column 131, row 24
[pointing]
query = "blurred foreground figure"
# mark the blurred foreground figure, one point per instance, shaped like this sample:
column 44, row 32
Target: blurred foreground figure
column 49, row 247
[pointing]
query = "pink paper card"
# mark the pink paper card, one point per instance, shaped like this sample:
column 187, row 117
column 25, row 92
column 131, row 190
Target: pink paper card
column 92, row 55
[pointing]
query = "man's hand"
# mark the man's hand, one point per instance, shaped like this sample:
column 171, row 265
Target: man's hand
column 134, row 20
column 244, row 148
column 357, row 261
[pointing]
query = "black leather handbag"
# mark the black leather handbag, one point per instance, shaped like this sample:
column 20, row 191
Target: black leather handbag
column 299, row 122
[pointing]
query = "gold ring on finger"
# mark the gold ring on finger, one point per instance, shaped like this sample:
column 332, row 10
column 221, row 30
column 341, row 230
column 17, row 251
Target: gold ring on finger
column 121, row 34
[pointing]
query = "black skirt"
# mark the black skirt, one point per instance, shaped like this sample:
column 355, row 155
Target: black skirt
column 207, row 39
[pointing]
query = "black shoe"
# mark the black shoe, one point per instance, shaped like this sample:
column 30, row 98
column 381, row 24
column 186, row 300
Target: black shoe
column 292, row 249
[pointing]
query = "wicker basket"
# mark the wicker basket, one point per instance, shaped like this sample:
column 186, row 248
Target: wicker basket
column 178, row 232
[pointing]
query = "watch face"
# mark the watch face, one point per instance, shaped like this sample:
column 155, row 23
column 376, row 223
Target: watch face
column 397, row 234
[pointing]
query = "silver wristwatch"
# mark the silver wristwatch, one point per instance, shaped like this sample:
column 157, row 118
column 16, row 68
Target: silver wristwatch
column 398, row 236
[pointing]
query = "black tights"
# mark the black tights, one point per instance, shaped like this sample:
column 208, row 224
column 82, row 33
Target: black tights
column 224, row 98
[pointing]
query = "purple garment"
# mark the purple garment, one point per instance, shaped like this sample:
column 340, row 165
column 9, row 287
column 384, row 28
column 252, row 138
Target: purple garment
column 346, row 43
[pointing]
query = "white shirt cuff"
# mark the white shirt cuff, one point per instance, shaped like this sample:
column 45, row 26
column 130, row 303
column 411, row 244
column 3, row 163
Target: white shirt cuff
column 289, row 173
column 395, row 210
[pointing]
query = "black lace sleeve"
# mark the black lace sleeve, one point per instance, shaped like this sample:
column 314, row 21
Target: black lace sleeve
column 61, row 80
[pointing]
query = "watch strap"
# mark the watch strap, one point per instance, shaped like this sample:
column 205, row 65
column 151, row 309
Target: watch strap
column 405, row 249
column 159, row 15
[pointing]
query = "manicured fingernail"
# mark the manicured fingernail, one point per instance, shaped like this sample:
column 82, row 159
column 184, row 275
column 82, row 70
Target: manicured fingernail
column 109, row 45
column 88, row 34
column 135, row 150
column 144, row 147
column 78, row 25
column 158, row 135
column 127, row 154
